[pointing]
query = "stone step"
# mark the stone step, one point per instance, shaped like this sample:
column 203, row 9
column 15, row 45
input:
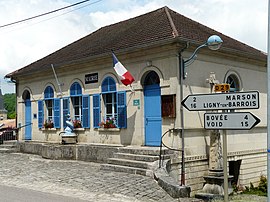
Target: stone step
column 6, row 150
column 127, row 169
column 128, row 163
column 10, row 142
column 7, row 146
column 153, row 151
column 139, row 157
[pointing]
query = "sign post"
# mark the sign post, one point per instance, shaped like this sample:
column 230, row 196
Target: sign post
column 225, row 120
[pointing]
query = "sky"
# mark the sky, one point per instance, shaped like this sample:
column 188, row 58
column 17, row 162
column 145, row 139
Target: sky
column 24, row 43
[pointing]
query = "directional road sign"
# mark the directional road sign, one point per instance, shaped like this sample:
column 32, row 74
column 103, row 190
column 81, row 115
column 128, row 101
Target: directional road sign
column 231, row 121
column 237, row 100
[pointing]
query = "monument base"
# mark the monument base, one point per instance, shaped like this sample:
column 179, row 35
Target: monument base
column 69, row 139
column 214, row 187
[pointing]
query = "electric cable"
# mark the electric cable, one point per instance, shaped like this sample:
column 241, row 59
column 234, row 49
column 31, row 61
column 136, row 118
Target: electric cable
column 43, row 14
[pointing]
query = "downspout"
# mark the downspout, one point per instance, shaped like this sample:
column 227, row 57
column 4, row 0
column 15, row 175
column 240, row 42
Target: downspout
column 16, row 106
column 181, row 76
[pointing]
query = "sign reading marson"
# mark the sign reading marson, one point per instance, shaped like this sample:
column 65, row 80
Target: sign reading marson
column 219, row 101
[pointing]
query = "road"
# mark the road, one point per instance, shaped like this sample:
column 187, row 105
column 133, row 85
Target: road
column 78, row 179
column 13, row 194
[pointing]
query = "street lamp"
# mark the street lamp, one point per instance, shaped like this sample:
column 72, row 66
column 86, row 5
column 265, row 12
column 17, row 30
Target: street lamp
column 214, row 42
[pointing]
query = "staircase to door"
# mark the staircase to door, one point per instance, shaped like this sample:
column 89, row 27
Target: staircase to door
column 136, row 160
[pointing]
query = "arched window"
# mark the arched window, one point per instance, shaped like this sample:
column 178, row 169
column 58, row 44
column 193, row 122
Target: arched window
column 48, row 92
column 49, row 110
column 78, row 106
column 49, row 103
column 26, row 95
column 113, row 104
column 233, row 79
column 109, row 100
column 76, row 100
column 151, row 78
column 108, row 85
column 75, row 89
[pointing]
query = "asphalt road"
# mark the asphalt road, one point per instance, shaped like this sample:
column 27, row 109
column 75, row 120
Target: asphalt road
column 13, row 194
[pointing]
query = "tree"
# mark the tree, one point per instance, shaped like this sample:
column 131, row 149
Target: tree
column 10, row 105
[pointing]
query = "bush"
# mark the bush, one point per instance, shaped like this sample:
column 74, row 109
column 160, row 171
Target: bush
column 261, row 190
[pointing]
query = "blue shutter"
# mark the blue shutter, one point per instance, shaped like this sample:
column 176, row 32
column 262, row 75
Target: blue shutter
column 40, row 114
column 121, row 110
column 56, row 112
column 65, row 110
column 86, row 111
column 96, row 110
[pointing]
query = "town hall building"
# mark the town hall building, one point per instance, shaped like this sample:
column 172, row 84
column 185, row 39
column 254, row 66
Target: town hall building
column 79, row 80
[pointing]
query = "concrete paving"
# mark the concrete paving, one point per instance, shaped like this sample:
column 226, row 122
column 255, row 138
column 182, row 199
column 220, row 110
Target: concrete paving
column 82, row 180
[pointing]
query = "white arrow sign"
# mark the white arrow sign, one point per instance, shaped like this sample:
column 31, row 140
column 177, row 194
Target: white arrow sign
column 239, row 100
column 232, row 121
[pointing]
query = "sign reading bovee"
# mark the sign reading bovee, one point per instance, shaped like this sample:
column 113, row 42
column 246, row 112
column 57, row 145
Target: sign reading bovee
column 234, row 121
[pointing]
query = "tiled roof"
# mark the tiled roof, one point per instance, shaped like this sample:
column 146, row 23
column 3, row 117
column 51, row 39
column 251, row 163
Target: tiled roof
column 154, row 27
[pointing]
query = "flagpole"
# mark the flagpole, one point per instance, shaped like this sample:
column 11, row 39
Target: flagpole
column 268, row 106
column 57, row 81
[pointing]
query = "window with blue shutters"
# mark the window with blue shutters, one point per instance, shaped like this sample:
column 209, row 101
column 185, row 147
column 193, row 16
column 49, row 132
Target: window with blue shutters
column 49, row 104
column 76, row 102
column 114, row 105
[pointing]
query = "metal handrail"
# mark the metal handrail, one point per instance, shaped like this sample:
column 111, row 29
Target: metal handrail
column 163, row 144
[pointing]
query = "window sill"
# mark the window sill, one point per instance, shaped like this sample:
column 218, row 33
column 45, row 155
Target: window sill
column 109, row 129
column 48, row 129
column 79, row 129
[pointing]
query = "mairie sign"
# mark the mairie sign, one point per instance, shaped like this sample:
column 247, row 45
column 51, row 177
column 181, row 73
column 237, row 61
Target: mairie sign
column 219, row 101
column 233, row 121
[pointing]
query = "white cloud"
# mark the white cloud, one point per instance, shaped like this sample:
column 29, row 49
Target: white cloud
column 244, row 20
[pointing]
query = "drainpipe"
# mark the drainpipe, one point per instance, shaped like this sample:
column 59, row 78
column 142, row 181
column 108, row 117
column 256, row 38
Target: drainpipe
column 16, row 106
column 181, row 72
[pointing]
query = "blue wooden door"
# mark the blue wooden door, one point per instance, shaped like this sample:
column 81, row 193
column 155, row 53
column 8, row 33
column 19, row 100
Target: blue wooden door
column 28, row 120
column 152, row 115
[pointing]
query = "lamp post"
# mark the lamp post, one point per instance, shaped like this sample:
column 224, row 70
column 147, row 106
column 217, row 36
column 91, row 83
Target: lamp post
column 214, row 42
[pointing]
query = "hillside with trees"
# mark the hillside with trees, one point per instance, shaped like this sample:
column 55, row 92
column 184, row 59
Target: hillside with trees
column 10, row 105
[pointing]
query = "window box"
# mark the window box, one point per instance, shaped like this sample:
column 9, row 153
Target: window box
column 109, row 129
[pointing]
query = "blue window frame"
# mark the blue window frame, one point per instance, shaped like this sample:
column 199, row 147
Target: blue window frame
column 114, row 105
column 49, row 103
column 49, row 109
column 76, row 101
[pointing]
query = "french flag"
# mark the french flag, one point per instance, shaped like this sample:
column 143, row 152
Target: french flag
column 125, row 76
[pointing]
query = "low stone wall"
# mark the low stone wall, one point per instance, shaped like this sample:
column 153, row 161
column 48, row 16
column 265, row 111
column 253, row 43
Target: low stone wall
column 195, row 169
column 82, row 152
column 30, row 147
